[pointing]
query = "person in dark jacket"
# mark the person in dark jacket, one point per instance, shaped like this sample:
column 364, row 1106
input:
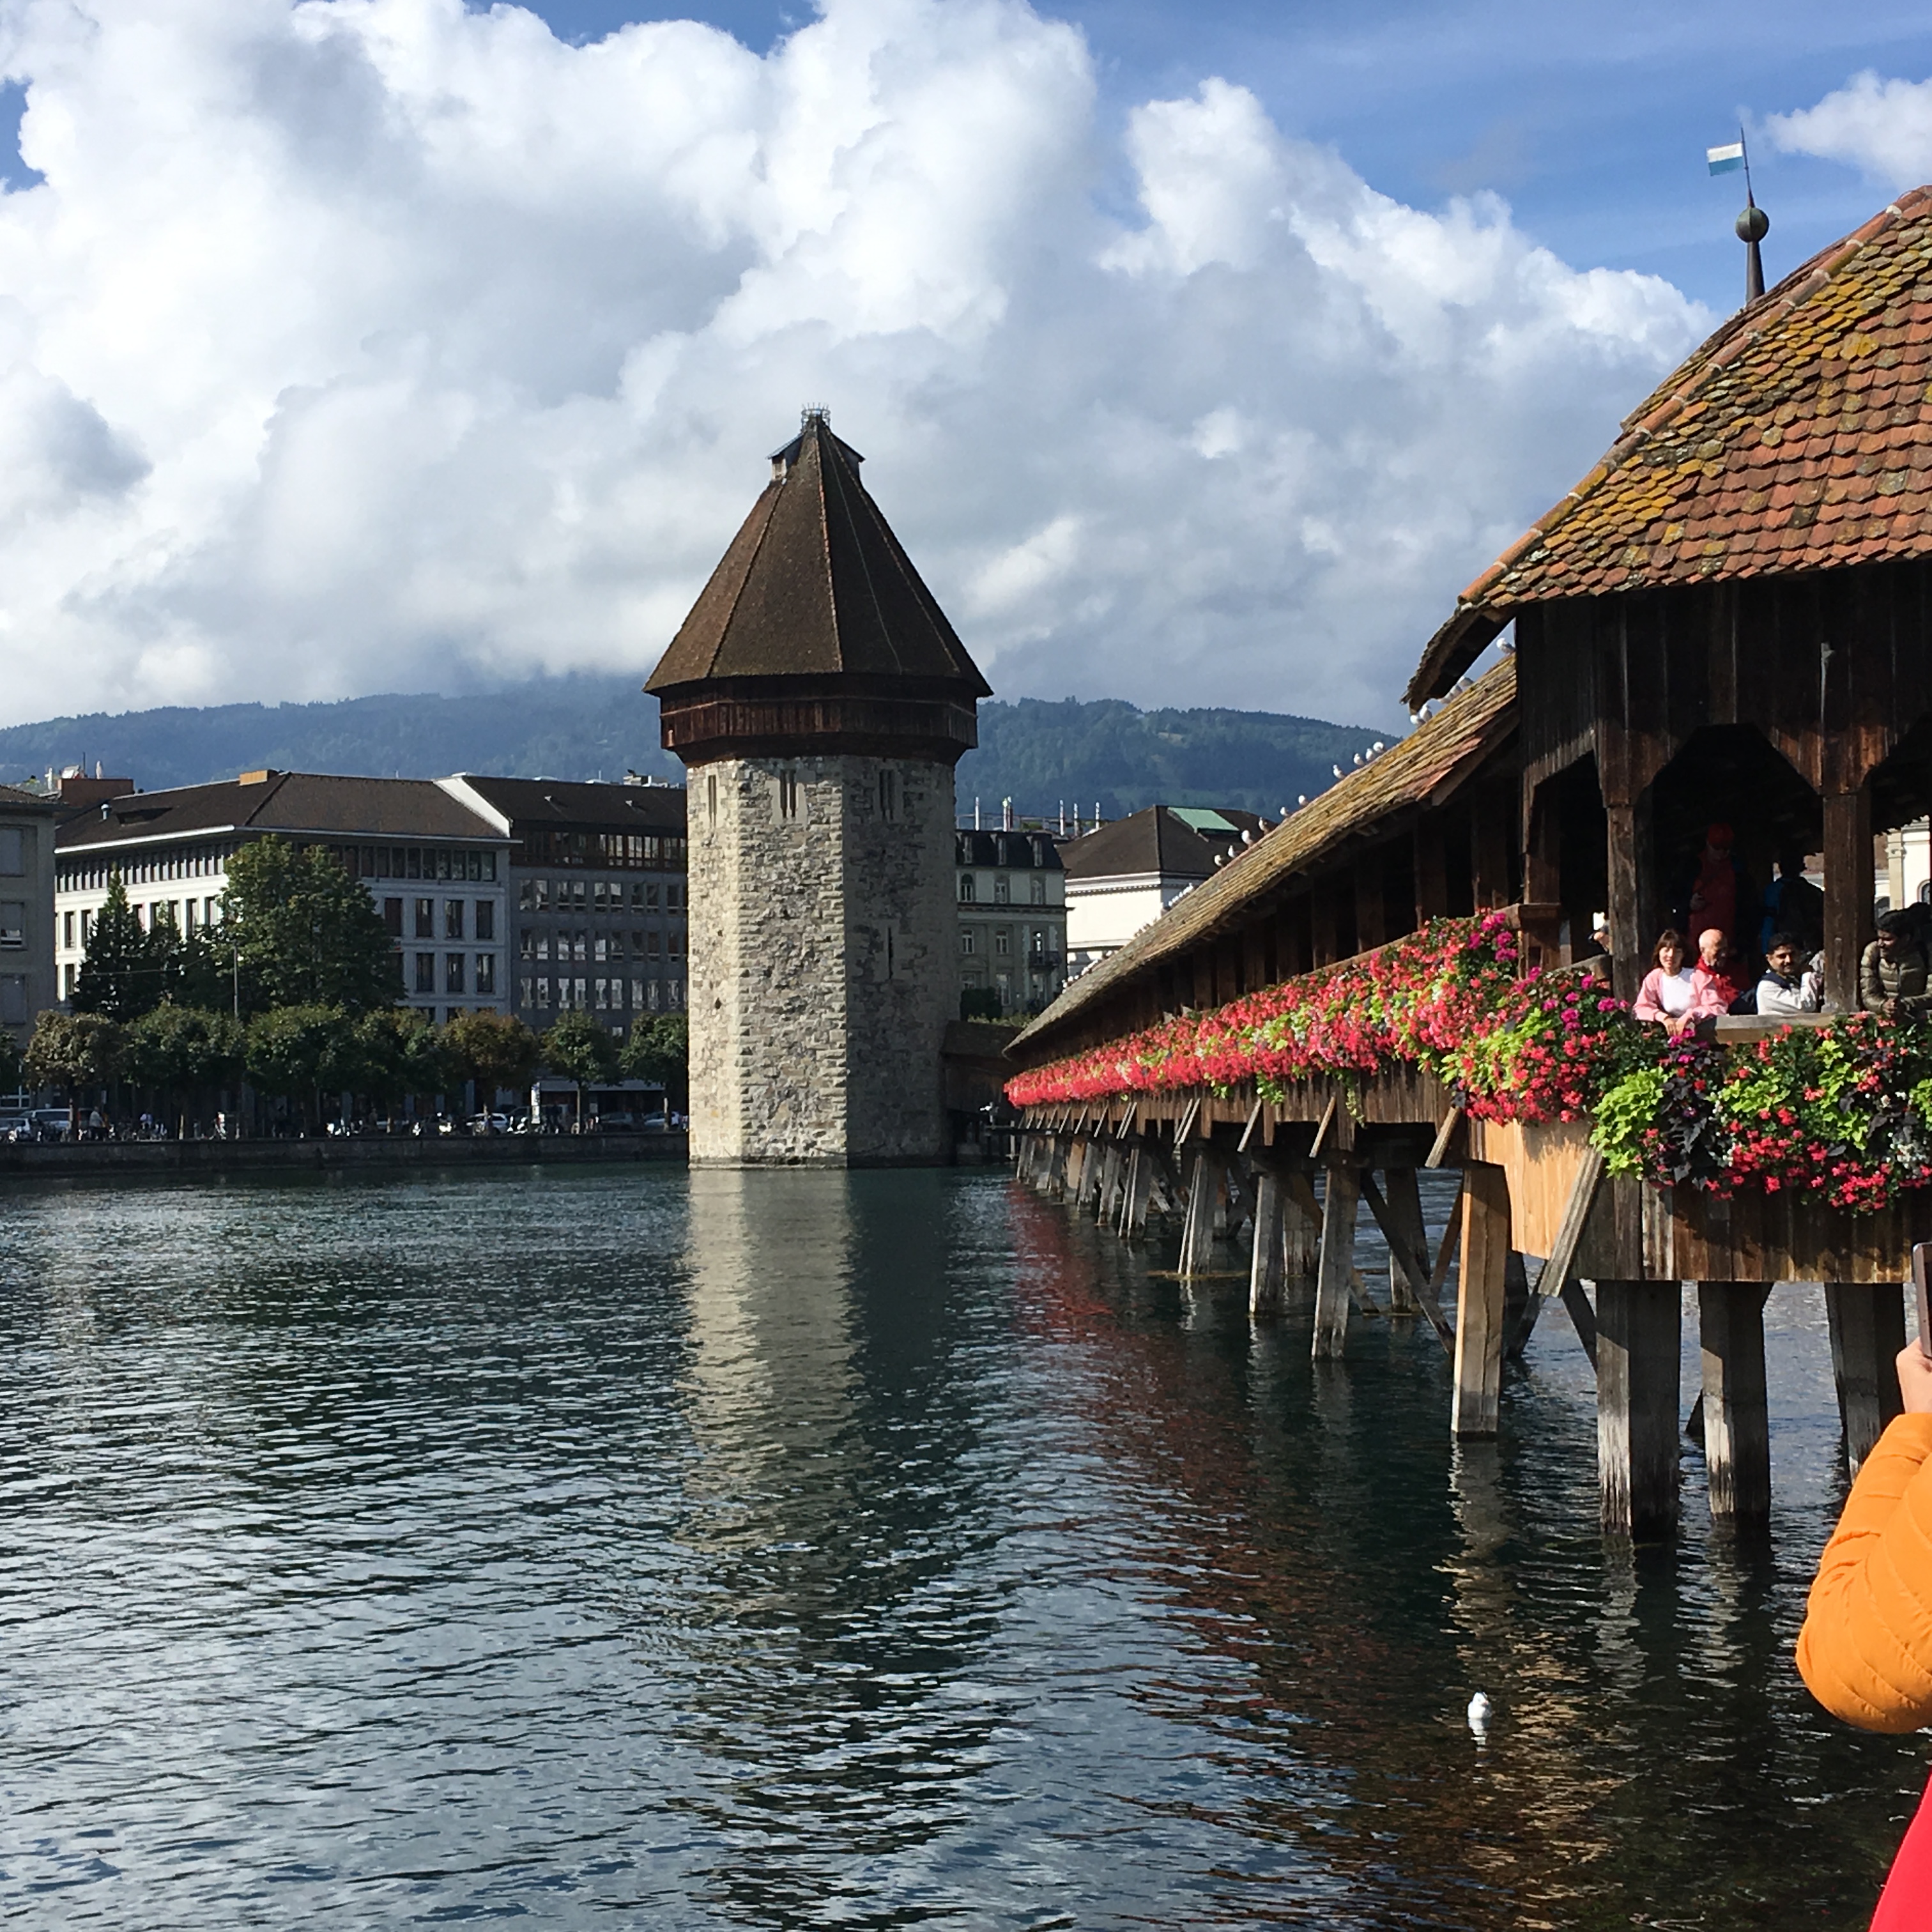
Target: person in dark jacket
column 1893, row 973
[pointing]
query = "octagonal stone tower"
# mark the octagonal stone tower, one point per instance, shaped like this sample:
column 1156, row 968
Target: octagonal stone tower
column 820, row 701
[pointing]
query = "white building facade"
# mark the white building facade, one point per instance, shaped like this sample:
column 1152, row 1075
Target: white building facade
column 436, row 871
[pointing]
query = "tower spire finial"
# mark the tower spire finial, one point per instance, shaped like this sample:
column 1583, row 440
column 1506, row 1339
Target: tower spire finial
column 1754, row 224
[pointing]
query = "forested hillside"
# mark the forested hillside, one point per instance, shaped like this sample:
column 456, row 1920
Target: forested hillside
column 1038, row 753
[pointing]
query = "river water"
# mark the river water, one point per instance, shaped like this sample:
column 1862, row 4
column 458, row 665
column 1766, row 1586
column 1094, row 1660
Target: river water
column 622, row 1547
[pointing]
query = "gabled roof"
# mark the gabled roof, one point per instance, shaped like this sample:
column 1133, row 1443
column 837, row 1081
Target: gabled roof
column 1157, row 839
column 14, row 799
column 285, row 801
column 580, row 803
column 1422, row 770
column 1799, row 437
column 1015, row 851
column 815, row 585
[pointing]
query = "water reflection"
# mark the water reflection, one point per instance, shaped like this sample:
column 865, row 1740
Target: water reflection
column 890, row 1549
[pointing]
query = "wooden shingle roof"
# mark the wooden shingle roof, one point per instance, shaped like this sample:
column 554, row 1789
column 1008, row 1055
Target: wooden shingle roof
column 1419, row 771
column 815, row 585
column 1799, row 437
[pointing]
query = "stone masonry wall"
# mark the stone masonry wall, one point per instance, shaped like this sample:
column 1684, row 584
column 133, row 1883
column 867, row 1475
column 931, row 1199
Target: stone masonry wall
column 822, row 970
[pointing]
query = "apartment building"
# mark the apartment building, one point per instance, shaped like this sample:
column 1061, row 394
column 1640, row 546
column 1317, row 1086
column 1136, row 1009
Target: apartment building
column 1013, row 917
column 597, row 876
column 1123, row 876
column 437, row 870
column 27, row 822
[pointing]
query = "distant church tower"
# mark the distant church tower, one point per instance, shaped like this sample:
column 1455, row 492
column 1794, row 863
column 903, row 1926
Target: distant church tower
column 819, row 700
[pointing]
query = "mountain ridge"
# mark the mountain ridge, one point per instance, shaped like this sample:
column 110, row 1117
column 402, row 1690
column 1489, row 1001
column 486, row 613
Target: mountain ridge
column 1041, row 753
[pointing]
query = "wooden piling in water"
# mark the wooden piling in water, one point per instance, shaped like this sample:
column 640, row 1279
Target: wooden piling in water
column 1639, row 1337
column 1481, row 1286
column 1402, row 1200
column 1867, row 1320
column 1335, row 1270
column 1265, row 1266
column 1197, row 1235
column 1737, row 1418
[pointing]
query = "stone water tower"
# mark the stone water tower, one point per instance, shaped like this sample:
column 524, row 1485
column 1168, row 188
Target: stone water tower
column 819, row 700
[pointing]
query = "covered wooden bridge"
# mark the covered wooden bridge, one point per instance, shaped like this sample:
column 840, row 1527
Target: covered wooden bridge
column 1728, row 620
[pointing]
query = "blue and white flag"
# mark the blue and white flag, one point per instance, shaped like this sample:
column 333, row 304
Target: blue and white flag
column 1725, row 160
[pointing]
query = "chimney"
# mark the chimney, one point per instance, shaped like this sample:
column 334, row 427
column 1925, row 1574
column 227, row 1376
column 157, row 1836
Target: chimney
column 1005, row 815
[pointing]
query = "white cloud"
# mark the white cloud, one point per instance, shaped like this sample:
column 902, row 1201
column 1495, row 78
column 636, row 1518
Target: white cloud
column 1883, row 127
column 376, row 344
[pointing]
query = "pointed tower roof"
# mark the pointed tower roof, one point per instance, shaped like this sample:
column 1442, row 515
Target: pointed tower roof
column 1797, row 438
column 815, row 603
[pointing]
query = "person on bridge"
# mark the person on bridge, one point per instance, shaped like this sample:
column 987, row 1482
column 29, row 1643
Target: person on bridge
column 1865, row 1651
column 1664, row 998
column 1892, row 974
column 1786, row 987
column 1713, row 990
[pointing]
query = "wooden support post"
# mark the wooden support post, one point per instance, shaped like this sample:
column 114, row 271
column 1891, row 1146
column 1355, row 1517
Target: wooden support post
column 1432, row 869
column 1371, row 902
column 1336, row 1271
column 1082, row 1171
column 1197, row 1235
column 1737, row 1423
column 1638, row 1336
column 1264, row 1271
column 1489, row 839
column 1110, row 1183
column 1848, row 893
column 1867, row 1320
column 1582, row 1317
column 1479, row 1300
column 1630, row 944
column 1300, row 1227
column 1520, row 1306
column 1139, row 1194
column 1402, row 1204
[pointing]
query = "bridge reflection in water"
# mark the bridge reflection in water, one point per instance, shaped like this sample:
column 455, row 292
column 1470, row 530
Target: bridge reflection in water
column 889, row 1550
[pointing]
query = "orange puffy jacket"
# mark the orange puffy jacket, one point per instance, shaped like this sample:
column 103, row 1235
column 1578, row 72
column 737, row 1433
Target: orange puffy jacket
column 1866, row 1648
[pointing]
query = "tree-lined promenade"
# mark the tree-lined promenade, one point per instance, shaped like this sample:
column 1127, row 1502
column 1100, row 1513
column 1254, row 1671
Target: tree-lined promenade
column 298, row 992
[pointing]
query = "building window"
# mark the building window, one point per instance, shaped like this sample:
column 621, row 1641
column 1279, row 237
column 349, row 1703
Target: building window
column 13, row 999
column 67, row 930
column 425, row 919
column 12, row 852
column 969, row 890
column 787, row 794
column 543, row 991
column 86, row 926
column 888, row 794
column 1038, row 942
column 452, row 973
column 651, row 945
column 603, row 994
column 673, row 896
column 66, row 988
column 486, row 972
column 526, row 987
column 966, row 943
column 425, row 972
column 392, row 918
column 486, row 919
column 674, row 945
column 636, row 996
column 1002, row 940
column 452, row 919
column 578, row 1001
column 13, row 925
column 711, row 797
column 676, row 994
column 1039, row 890
column 1003, row 889
column 600, row 948
column 527, row 944
column 650, row 898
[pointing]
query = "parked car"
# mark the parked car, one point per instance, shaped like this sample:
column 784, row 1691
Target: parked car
column 52, row 1123
column 490, row 1124
column 16, row 1127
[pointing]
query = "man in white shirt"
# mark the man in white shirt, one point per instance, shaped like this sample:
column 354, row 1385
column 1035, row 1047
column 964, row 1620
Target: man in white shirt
column 1784, row 989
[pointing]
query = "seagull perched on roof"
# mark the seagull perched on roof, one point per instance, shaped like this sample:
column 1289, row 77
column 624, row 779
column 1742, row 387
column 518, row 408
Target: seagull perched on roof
column 1337, row 769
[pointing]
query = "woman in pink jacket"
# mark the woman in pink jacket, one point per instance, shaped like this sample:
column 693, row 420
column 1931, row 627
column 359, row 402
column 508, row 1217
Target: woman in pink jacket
column 1669, row 991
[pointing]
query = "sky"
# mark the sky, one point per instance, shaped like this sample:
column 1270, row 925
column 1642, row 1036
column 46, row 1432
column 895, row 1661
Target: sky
column 1200, row 350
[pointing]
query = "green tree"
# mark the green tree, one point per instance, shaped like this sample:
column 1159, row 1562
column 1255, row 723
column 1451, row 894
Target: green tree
column 430, row 1070
column 125, row 970
column 299, row 1052
column 494, row 1050
column 74, row 1051
column 578, row 1048
column 383, row 1041
column 181, row 1050
column 659, row 1051
column 305, row 933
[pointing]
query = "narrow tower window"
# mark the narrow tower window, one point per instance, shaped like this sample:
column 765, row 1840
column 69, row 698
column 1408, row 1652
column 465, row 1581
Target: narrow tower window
column 888, row 794
column 787, row 794
column 711, row 797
